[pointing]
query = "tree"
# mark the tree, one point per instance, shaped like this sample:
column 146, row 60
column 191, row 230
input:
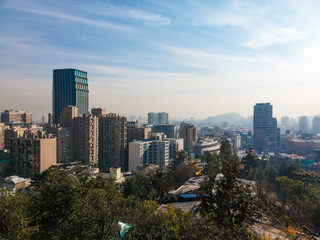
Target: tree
column 55, row 196
column 166, row 223
column 227, row 201
column 93, row 215
column 14, row 209
column 212, row 163
column 141, row 186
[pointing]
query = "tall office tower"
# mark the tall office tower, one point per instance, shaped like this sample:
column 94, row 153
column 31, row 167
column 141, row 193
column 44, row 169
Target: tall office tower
column 135, row 132
column 169, row 130
column 316, row 125
column 98, row 112
column 70, row 87
column 31, row 155
column 189, row 135
column 10, row 116
column 266, row 135
column 67, row 115
column 303, row 125
column 158, row 118
column 85, row 145
column 112, row 142
column 285, row 122
column 1, row 136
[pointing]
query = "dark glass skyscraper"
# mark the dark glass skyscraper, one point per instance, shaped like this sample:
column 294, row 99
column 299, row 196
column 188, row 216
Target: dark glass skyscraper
column 266, row 135
column 70, row 87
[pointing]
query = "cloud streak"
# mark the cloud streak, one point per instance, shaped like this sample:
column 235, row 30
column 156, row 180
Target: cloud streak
column 69, row 17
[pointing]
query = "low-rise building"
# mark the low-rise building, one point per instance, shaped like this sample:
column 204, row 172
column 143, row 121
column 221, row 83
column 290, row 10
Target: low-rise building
column 14, row 183
column 206, row 145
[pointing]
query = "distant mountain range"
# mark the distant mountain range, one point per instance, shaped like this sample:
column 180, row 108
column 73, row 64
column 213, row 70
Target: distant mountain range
column 233, row 118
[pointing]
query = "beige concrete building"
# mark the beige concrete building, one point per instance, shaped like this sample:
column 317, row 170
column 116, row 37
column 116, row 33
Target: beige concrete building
column 135, row 132
column 112, row 142
column 85, row 144
column 30, row 156
column 9, row 116
column 67, row 115
column 189, row 135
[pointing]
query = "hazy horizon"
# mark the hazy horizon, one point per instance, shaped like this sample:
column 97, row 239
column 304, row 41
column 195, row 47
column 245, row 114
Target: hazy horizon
column 187, row 58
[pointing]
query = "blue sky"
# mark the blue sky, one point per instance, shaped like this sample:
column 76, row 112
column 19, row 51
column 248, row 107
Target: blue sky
column 188, row 58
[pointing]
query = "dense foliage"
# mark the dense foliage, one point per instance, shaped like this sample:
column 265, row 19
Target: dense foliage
column 78, row 206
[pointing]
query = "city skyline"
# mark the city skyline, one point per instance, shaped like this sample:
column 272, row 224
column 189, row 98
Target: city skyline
column 191, row 59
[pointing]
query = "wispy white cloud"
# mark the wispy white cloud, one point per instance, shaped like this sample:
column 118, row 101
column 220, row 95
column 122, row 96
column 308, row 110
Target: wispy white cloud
column 134, row 14
column 69, row 17
column 277, row 35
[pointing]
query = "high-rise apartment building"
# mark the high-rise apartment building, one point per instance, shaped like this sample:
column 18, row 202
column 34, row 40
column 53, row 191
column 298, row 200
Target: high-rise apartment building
column 112, row 142
column 189, row 135
column 148, row 152
column 266, row 135
column 85, row 146
column 1, row 136
column 136, row 132
column 12, row 116
column 64, row 144
column 31, row 155
column 303, row 125
column 67, row 115
column 158, row 118
column 70, row 87
column 316, row 125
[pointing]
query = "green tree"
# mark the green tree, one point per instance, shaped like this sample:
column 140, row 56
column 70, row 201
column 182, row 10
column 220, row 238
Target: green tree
column 14, row 209
column 212, row 163
column 167, row 223
column 228, row 202
column 93, row 215
column 55, row 196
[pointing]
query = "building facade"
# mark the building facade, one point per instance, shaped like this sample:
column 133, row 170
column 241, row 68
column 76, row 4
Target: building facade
column 316, row 125
column 169, row 130
column 67, row 115
column 189, row 135
column 1, row 136
column 206, row 145
column 70, row 87
column 303, row 125
column 64, row 144
column 113, row 142
column 266, row 135
column 148, row 152
column 136, row 132
column 158, row 118
column 85, row 144
column 32, row 155
column 13, row 116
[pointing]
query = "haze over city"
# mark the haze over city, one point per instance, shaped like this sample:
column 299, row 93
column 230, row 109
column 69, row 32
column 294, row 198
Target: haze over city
column 187, row 58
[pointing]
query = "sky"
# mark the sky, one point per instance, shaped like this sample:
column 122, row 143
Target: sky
column 189, row 58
